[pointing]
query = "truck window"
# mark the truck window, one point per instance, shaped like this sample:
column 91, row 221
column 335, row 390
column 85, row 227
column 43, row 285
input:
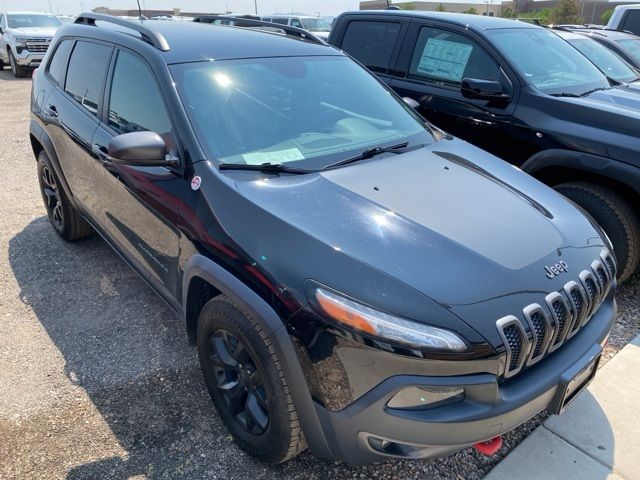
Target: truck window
column 85, row 74
column 632, row 21
column 59, row 60
column 371, row 43
column 448, row 57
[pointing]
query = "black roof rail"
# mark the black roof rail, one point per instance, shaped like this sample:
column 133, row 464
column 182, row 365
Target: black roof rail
column 250, row 23
column 154, row 38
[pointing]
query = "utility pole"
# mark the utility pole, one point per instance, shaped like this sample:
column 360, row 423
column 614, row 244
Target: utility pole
column 255, row 4
column 593, row 13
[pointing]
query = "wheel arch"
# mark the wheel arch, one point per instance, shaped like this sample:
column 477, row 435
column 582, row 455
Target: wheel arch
column 553, row 167
column 204, row 276
column 40, row 142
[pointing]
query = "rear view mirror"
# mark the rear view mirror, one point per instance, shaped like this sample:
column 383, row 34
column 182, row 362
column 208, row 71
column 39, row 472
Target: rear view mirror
column 138, row 148
column 478, row 89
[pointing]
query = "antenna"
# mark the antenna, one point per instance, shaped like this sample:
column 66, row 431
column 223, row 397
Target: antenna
column 141, row 17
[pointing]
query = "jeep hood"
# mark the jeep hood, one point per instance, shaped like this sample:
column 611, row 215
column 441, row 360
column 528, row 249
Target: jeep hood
column 465, row 229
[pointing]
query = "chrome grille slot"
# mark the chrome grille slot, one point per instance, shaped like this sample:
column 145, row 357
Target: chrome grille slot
column 607, row 259
column 541, row 330
column 562, row 317
column 515, row 342
column 579, row 306
column 603, row 277
column 592, row 288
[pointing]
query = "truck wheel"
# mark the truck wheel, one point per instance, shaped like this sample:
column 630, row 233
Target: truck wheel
column 243, row 375
column 615, row 216
column 17, row 70
column 64, row 218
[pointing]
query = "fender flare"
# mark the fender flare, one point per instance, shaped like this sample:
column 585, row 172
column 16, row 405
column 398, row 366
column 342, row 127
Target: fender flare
column 39, row 133
column 597, row 165
column 252, row 304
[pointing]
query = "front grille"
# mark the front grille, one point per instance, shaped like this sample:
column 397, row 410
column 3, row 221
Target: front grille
column 37, row 45
column 567, row 310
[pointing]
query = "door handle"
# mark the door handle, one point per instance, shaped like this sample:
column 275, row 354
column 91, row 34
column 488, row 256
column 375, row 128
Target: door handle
column 101, row 152
column 52, row 111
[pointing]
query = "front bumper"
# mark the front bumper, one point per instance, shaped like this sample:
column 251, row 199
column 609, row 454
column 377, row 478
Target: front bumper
column 29, row 59
column 488, row 409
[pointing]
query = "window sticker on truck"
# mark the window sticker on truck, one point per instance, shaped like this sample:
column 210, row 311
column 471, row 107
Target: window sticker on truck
column 445, row 59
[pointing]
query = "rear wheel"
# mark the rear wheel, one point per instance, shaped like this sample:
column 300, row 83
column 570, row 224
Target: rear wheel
column 615, row 216
column 243, row 375
column 17, row 70
column 64, row 218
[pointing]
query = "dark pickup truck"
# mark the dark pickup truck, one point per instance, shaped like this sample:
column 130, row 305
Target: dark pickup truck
column 520, row 92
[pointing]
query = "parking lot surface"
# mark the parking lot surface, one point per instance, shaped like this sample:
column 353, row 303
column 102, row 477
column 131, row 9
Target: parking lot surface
column 97, row 379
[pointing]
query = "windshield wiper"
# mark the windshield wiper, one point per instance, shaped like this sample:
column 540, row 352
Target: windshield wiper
column 265, row 167
column 575, row 95
column 369, row 153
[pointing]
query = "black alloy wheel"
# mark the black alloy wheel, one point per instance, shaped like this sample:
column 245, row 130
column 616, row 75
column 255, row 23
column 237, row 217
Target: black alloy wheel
column 239, row 382
column 51, row 194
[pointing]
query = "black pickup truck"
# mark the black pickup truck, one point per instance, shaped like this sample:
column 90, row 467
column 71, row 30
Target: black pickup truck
column 520, row 92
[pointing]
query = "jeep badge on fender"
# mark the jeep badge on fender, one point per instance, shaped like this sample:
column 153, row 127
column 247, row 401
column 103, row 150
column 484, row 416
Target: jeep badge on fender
column 557, row 269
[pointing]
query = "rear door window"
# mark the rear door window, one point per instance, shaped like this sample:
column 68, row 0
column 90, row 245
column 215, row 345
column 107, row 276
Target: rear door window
column 447, row 57
column 295, row 22
column 371, row 43
column 58, row 63
column 86, row 73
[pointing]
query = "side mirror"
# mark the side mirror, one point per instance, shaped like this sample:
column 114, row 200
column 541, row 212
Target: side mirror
column 477, row 89
column 139, row 148
column 411, row 102
column 1, row 31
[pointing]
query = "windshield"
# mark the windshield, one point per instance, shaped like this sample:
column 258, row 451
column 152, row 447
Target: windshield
column 315, row 24
column 15, row 20
column 305, row 111
column 607, row 61
column 633, row 45
column 548, row 62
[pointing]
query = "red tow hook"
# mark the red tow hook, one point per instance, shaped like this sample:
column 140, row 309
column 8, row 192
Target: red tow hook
column 490, row 447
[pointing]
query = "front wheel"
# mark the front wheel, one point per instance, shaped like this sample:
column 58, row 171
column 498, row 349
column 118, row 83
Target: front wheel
column 615, row 216
column 17, row 70
column 249, row 389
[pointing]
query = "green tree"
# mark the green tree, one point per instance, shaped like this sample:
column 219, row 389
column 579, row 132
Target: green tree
column 440, row 8
column 542, row 15
column 471, row 10
column 606, row 15
column 507, row 12
column 407, row 6
column 566, row 11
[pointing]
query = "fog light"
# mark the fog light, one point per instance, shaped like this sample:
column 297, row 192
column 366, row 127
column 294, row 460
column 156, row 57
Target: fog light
column 415, row 398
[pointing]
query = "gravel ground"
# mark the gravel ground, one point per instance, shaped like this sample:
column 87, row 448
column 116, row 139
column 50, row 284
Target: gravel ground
column 96, row 377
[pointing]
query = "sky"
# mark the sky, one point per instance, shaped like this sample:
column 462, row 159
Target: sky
column 265, row 7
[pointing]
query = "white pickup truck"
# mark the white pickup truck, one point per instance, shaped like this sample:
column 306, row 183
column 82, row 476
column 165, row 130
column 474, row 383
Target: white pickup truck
column 24, row 39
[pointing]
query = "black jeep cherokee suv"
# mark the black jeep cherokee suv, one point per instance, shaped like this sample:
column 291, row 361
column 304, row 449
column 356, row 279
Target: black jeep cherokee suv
column 522, row 93
column 356, row 281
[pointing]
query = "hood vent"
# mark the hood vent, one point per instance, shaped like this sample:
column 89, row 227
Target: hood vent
column 545, row 329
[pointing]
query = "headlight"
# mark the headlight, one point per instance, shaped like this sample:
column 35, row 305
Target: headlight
column 385, row 326
column 20, row 41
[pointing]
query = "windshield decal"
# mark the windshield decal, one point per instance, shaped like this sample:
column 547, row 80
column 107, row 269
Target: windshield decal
column 278, row 156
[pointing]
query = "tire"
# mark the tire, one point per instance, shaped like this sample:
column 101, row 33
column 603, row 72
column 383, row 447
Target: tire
column 615, row 216
column 17, row 70
column 255, row 406
column 64, row 218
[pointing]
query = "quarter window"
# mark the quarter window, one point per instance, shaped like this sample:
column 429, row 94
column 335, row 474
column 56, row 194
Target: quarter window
column 85, row 75
column 448, row 57
column 59, row 60
column 296, row 23
column 371, row 43
column 136, row 103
